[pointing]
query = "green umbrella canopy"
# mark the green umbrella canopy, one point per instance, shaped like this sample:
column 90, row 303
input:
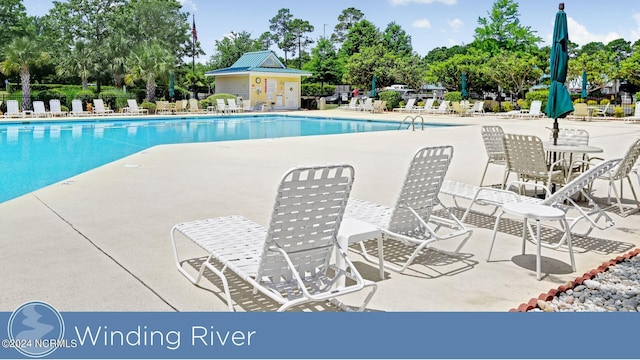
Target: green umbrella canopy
column 463, row 92
column 172, row 81
column 373, row 87
column 584, row 93
column 559, row 104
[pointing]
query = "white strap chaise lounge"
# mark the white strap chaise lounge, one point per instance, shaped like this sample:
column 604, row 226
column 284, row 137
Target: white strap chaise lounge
column 291, row 261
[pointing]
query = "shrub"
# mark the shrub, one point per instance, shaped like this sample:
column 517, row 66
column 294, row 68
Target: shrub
column 542, row 95
column 212, row 99
column 522, row 104
column 578, row 101
column 86, row 96
column 604, row 102
column 151, row 107
column 317, row 90
column 51, row 94
column 113, row 99
column 453, row 96
column 618, row 112
column 205, row 103
column 393, row 98
column 507, row 106
column 592, row 102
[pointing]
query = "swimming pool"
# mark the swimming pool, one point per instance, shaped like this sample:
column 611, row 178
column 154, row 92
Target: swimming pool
column 34, row 155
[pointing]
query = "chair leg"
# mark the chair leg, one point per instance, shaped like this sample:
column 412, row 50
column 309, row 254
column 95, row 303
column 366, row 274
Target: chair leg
column 538, row 249
column 495, row 230
column 484, row 173
column 569, row 243
column 525, row 224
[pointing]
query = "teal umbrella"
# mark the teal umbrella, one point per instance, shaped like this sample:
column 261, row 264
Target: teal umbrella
column 584, row 93
column 559, row 104
column 373, row 87
column 172, row 91
column 464, row 87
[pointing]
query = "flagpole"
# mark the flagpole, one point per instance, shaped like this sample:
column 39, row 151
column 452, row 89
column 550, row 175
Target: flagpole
column 193, row 53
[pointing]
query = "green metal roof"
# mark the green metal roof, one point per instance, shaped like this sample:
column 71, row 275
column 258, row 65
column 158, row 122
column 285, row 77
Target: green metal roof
column 258, row 61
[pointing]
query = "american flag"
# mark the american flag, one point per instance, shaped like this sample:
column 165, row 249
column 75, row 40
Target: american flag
column 194, row 33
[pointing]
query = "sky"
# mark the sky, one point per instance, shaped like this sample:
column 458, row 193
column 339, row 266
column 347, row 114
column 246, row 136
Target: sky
column 431, row 23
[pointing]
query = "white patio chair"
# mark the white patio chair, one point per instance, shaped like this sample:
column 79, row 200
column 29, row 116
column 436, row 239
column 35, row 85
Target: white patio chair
column 13, row 109
column 221, row 106
column 232, row 106
column 564, row 198
column 428, row 106
column 620, row 173
column 492, row 138
column 134, row 109
column 55, row 109
column 636, row 114
column 77, row 108
column 535, row 111
column 367, row 105
column 100, row 109
column 408, row 107
column 291, row 262
column 39, row 109
column 412, row 220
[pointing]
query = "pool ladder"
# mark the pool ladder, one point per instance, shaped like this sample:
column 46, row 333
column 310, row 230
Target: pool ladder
column 413, row 122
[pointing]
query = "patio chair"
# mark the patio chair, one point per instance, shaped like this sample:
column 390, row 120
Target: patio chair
column 221, row 106
column 477, row 108
column 620, row 173
column 351, row 105
column 408, row 107
column 428, row 106
column 291, row 262
column 525, row 156
column 580, row 111
column 194, row 106
column 574, row 137
column 413, row 219
column 597, row 111
column 232, row 106
column 77, row 108
column 442, row 109
column 180, row 106
column 457, row 108
column 163, row 107
column 493, row 145
column 55, row 109
column 13, row 109
column 367, row 105
column 100, row 109
column 39, row 109
column 535, row 111
column 134, row 109
column 563, row 198
column 636, row 114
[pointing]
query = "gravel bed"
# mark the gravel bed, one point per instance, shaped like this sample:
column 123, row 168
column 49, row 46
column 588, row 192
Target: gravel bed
column 616, row 289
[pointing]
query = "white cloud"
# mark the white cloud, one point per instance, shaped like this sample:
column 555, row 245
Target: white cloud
column 580, row 35
column 403, row 2
column 188, row 4
column 455, row 24
column 422, row 24
column 635, row 33
column 452, row 42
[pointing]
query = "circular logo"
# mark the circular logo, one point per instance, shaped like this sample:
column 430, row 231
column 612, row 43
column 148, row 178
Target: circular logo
column 36, row 328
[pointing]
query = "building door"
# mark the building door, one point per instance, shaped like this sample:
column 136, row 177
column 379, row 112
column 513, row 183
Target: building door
column 291, row 95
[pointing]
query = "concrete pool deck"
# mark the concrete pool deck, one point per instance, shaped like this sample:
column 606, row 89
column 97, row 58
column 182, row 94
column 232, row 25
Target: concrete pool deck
column 100, row 241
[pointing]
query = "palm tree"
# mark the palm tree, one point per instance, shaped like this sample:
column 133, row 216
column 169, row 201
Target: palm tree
column 149, row 62
column 77, row 62
column 20, row 56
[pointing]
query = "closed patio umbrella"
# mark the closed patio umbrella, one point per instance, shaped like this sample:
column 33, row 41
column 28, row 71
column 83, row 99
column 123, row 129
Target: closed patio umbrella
column 172, row 81
column 373, row 87
column 463, row 92
column 584, row 93
column 559, row 104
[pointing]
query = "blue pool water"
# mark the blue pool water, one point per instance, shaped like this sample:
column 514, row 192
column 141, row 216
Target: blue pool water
column 34, row 155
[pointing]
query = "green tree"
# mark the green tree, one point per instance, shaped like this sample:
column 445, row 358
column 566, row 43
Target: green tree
column 300, row 30
column 281, row 30
column 502, row 30
column 228, row 50
column 443, row 53
column 324, row 63
column 397, row 40
column 346, row 19
column 630, row 68
column 513, row 72
column 14, row 21
column 373, row 60
column 149, row 62
column 362, row 34
column 21, row 55
column 600, row 68
column 409, row 70
column 78, row 63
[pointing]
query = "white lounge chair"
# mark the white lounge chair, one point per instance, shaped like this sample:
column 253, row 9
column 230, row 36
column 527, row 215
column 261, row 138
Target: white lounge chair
column 352, row 105
column 55, row 109
column 636, row 115
column 232, row 106
column 477, row 108
column 39, row 109
column 134, row 109
column 620, row 173
column 292, row 261
column 221, row 106
column 77, row 108
column 563, row 198
column 535, row 111
column 99, row 108
column 408, row 107
column 367, row 105
column 413, row 219
column 442, row 109
column 428, row 106
column 13, row 109
column 194, row 106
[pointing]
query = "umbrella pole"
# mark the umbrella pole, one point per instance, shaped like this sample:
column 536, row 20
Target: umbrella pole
column 555, row 132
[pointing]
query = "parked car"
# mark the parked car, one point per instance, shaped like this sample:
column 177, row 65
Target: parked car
column 412, row 94
column 337, row 98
